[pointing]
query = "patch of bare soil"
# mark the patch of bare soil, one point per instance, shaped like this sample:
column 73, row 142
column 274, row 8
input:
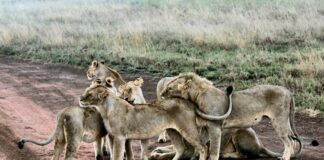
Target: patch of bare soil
column 31, row 94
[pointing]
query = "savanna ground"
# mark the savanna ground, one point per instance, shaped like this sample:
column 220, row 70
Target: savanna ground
column 31, row 94
column 237, row 42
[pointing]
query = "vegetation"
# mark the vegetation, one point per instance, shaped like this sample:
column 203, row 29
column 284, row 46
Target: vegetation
column 240, row 42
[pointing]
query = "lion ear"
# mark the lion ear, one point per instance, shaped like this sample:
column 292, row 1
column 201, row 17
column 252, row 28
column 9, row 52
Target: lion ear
column 94, row 63
column 139, row 81
column 185, row 85
column 109, row 81
column 180, row 86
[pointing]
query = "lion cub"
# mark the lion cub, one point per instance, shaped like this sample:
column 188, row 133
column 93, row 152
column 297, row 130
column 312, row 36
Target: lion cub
column 125, row 121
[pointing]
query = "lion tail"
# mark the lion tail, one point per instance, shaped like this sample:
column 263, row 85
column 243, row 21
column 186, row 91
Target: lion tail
column 229, row 93
column 292, row 125
column 59, row 126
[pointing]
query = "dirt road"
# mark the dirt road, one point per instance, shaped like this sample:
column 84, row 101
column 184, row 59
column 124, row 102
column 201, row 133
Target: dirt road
column 31, row 94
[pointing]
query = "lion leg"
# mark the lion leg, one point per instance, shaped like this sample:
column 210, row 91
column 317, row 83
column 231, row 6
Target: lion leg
column 110, row 139
column 72, row 147
column 282, row 127
column 230, row 149
column 177, row 142
column 165, row 152
column 215, row 141
column 287, row 150
column 233, row 155
column 144, row 149
column 98, row 149
column 246, row 140
column 164, row 149
column 104, row 145
column 162, row 137
column 162, row 153
column 129, row 151
column 73, row 135
column 192, row 136
column 118, row 148
column 58, row 149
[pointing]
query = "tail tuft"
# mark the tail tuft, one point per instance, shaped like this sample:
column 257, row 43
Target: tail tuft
column 229, row 90
column 21, row 144
column 315, row 143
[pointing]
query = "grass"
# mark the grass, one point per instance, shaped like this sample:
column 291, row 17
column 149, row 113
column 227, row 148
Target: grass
column 239, row 42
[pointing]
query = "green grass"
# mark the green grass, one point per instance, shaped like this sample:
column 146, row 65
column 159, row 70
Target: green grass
column 239, row 42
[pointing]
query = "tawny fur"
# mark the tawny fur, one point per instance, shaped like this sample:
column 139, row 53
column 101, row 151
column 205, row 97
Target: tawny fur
column 235, row 143
column 249, row 106
column 98, row 70
column 75, row 124
column 132, row 92
column 160, row 86
column 125, row 121
column 251, row 144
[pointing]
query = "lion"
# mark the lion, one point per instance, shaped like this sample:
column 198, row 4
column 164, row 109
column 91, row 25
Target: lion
column 249, row 106
column 235, row 143
column 125, row 121
column 74, row 124
column 160, row 86
column 110, row 85
column 250, row 144
column 132, row 92
column 243, row 142
column 101, row 71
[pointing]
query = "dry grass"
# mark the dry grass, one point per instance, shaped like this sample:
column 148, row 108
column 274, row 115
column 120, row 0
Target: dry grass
column 125, row 27
column 243, row 42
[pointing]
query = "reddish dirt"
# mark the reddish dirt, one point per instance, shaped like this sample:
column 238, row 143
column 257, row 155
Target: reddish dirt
column 31, row 94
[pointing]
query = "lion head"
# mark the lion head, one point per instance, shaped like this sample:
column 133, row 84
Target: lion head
column 108, row 82
column 183, row 84
column 129, row 90
column 94, row 95
column 100, row 70
column 93, row 71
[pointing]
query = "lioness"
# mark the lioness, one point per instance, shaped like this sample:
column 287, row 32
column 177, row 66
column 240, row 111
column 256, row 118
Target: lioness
column 235, row 143
column 132, row 93
column 125, row 121
column 249, row 106
column 100, row 70
column 160, row 86
column 74, row 124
